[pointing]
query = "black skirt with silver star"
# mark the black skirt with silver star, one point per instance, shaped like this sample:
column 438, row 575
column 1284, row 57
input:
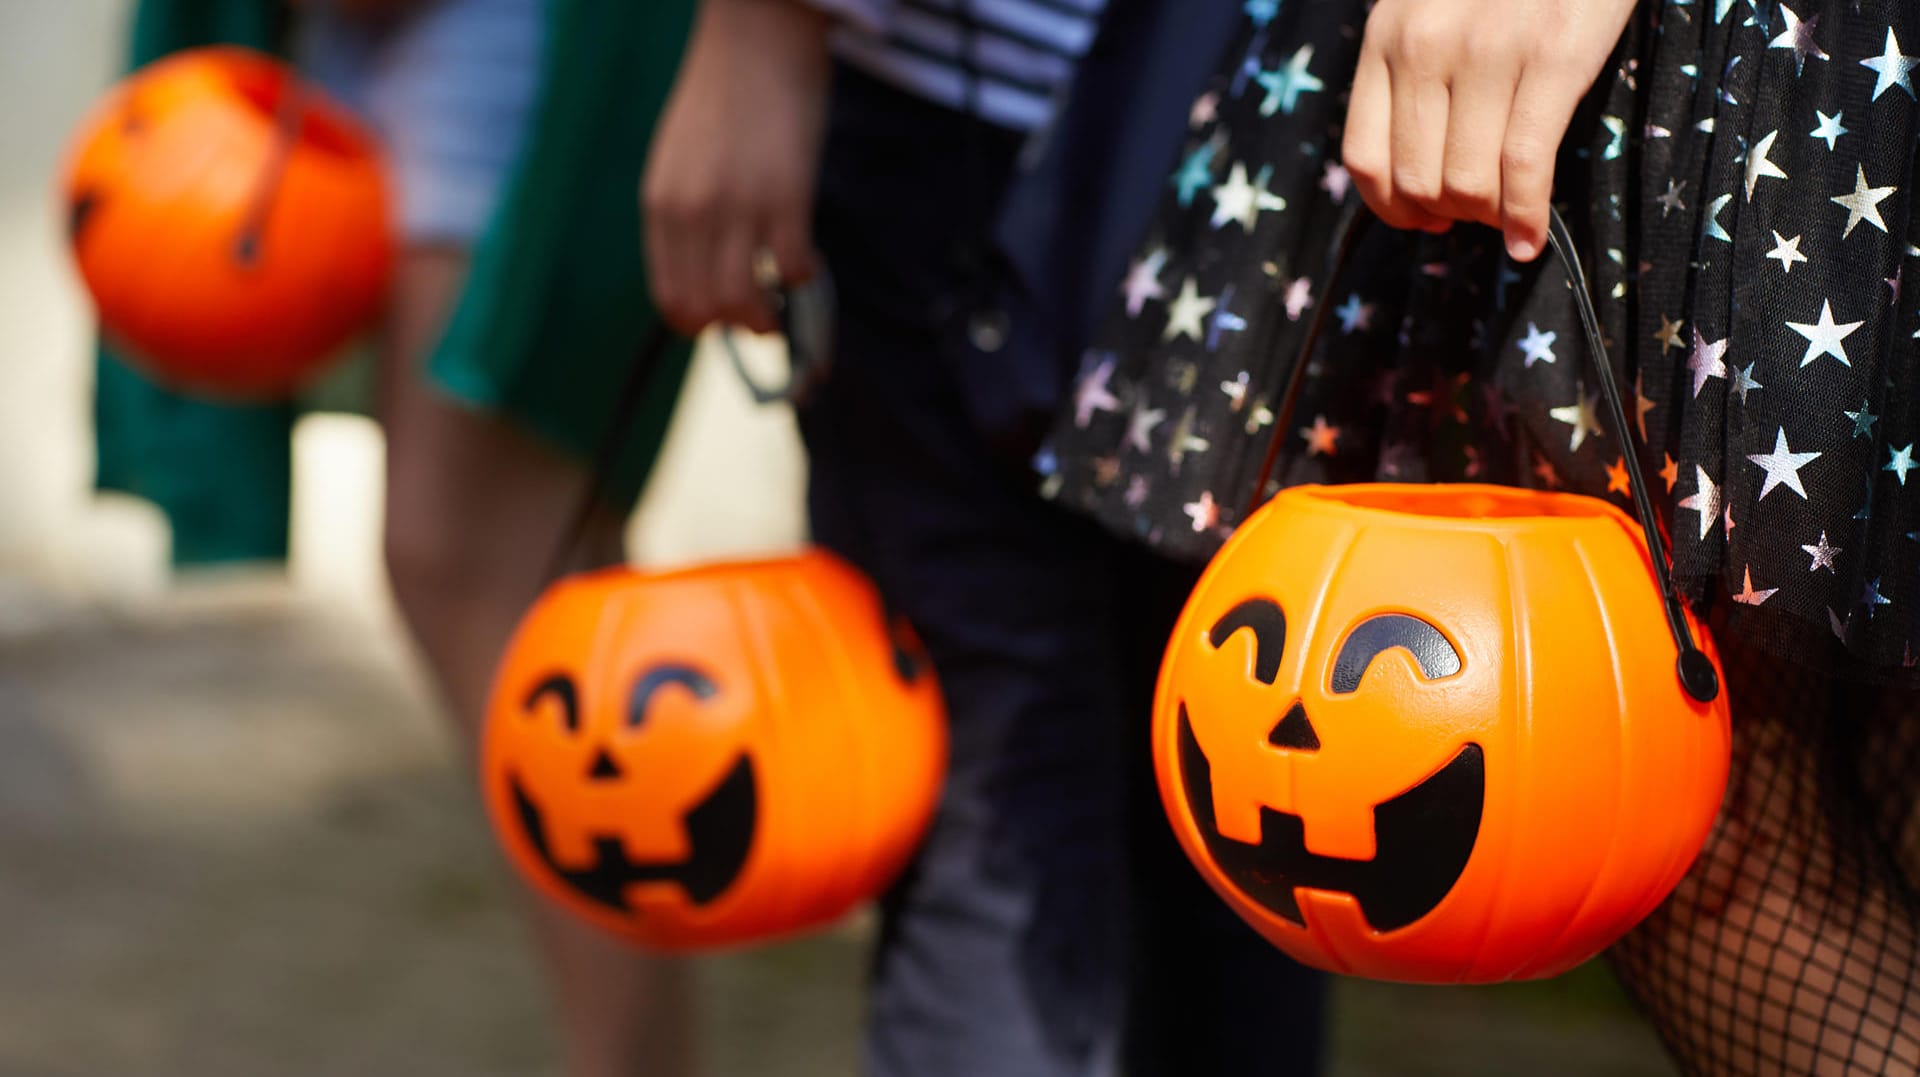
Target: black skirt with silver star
column 1741, row 183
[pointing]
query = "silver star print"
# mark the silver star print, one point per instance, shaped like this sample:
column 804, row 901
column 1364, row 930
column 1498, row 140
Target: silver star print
column 1642, row 403
column 1354, row 315
column 1143, row 281
column 1743, row 383
column 1822, row 555
column 1669, row 333
column 1798, row 36
column 1241, row 201
column 1285, row 85
column 1140, row 426
column 1787, row 251
column 1863, row 420
column 1829, row 130
column 1538, row 345
column 1204, row 513
column 1758, row 167
column 1864, row 203
column 1093, row 394
column 1670, row 201
column 1893, row 68
column 1704, row 500
column 1581, row 416
column 1713, row 229
column 1707, row 360
column 1187, row 313
column 1900, row 461
column 1782, row 466
column 1825, row 336
column 1747, row 595
column 1873, row 599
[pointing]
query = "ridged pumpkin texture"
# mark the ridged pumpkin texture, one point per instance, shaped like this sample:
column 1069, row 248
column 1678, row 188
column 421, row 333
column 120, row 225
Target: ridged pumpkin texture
column 1434, row 733
column 230, row 222
column 713, row 756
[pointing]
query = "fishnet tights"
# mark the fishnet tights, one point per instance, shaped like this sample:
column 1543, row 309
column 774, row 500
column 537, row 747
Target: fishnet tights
column 1790, row 948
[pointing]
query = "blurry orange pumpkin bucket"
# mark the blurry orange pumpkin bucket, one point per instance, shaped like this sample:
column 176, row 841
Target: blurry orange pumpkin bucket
column 231, row 223
column 1442, row 733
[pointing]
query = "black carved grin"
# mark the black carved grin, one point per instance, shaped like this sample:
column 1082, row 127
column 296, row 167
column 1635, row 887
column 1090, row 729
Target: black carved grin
column 719, row 828
column 1422, row 838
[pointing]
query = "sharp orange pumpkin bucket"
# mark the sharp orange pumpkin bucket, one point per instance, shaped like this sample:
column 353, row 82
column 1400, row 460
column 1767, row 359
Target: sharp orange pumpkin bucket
column 1442, row 733
column 711, row 756
column 230, row 222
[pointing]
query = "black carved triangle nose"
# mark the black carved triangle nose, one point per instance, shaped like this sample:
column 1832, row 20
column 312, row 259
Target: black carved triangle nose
column 1295, row 732
column 604, row 769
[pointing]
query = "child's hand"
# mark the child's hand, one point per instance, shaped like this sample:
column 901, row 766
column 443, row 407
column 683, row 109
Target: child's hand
column 1459, row 107
column 731, row 171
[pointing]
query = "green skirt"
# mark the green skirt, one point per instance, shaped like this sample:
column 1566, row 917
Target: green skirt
column 553, row 316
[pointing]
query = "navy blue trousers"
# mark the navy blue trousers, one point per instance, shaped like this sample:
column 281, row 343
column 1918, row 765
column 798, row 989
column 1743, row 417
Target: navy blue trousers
column 1050, row 927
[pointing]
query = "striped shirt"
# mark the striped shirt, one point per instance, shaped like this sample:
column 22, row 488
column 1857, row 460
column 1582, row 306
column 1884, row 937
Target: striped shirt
column 1007, row 61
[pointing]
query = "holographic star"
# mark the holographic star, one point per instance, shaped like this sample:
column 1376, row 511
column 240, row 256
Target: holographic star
column 1284, row 85
column 1223, row 320
column 1900, row 461
column 1538, row 345
column 1758, row 167
column 1241, row 201
column 1704, row 500
column 1261, row 12
column 1186, row 313
column 1822, row 555
column 1354, row 315
column 1787, row 251
column 1670, row 471
column 1236, row 391
column 1671, row 201
column 1204, row 513
column 1893, row 68
column 1742, row 383
column 1618, row 145
column 1092, row 393
column 1829, row 130
column 1713, row 228
column 1618, row 480
column 1706, row 360
column 1782, row 466
column 1581, row 415
column 1864, row 203
column 1140, row 426
column 1871, row 597
column 1323, row 439
column 1747, row 595
column 1143, row 281
column 1863, row 420
column 1336, row 181
column 1642, row 404
column 1195, row 173
column 1825, row 336
column 1299, row 298
column 1669, row 333
column 1798, row 36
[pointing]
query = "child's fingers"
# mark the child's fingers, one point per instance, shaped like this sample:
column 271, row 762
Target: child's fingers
column 1543, row 108
column 1482, row 100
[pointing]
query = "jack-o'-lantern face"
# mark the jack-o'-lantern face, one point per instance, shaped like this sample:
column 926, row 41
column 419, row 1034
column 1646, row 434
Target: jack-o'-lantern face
column 592, row 848
column 1423, row 835
column 713, row 755
column 1435, row 733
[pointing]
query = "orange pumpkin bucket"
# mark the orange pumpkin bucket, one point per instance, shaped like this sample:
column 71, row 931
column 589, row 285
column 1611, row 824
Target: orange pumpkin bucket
column 712, row 756
column 230, row 222
column 1442, row 733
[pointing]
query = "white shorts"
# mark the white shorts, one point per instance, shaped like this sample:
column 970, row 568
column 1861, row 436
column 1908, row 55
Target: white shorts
column 450, row 87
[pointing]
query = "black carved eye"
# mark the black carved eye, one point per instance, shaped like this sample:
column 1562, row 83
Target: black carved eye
column 561, row 688
column 1268, row 623
column 1375, row 635
column 659, row 677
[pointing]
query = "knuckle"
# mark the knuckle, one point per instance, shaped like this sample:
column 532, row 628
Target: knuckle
column 1415, row 185
column 1425, row 42
column 1471, row 187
